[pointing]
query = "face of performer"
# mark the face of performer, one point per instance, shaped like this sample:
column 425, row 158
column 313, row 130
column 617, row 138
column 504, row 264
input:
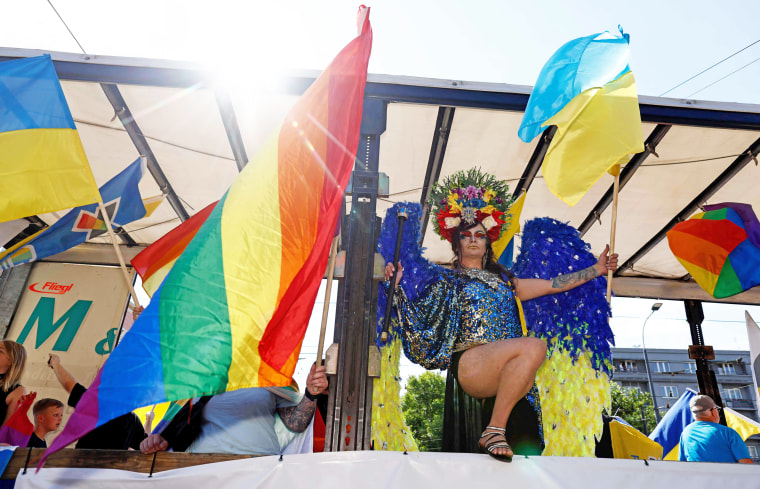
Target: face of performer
column 472, row 244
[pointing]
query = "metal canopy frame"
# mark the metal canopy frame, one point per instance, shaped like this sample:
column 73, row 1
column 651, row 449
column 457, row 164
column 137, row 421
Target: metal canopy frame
column 435, row 162
column 445, row 94
column 740, row 162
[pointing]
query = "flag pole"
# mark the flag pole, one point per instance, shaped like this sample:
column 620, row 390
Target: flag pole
column 123, row 265
column 328, row 290
column 615, row 171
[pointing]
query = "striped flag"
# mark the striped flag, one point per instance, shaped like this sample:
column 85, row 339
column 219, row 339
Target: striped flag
column 122, row 202
column 43, row 167
column 154, row 262
column 233, row 310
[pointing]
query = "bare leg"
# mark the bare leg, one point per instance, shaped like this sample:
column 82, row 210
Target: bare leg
column 505, row 369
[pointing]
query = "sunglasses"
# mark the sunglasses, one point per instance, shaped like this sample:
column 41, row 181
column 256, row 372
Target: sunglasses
column 477, row 235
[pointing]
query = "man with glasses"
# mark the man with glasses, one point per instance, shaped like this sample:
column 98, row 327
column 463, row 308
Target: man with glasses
column 706, row 440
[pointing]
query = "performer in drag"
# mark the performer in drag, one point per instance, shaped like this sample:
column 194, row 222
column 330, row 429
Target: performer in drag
column 469, row 321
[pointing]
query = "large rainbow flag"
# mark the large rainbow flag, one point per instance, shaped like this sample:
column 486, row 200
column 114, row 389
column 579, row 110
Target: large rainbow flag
column 43, row 167
column 155, row 262
column 588, row 91
column 233, row 310
column 720, row 248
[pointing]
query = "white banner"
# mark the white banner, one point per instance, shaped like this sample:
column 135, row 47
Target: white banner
column 392, row 470
column 73, row 311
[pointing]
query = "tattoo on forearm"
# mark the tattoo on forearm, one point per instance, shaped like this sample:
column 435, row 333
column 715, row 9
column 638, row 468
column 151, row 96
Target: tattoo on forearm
column 562, row 281
column 298, row 417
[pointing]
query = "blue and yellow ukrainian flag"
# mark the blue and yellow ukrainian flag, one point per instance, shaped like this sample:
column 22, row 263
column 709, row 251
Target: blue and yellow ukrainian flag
column 588, row 91
column 43, row 167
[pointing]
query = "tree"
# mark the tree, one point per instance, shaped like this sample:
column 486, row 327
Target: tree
column 628, row 402
column 423, row 409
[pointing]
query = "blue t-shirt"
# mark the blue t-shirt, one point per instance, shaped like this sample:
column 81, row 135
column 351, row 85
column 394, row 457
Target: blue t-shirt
column 240, row 421
column 704, row 441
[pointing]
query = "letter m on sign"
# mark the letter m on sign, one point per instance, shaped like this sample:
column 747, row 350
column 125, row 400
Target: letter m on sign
column 43, row 316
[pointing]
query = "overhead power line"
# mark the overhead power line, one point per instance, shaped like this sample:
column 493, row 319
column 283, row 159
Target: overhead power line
column 711, row 67
column 721, row 79
column 66, row 26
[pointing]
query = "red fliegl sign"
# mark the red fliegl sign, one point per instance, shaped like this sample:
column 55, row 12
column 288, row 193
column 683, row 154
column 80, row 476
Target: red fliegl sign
column 50, row 288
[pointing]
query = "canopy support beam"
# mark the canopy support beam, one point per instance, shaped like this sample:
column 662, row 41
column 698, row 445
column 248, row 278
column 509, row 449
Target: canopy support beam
column 435, row 161
column 227, row 111
column 125, row 116
column 534, row 164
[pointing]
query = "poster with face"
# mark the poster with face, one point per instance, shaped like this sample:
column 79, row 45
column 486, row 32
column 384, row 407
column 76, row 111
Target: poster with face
column 73, row 311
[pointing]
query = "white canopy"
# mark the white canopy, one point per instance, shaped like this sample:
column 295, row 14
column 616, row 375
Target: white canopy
column 197, row 135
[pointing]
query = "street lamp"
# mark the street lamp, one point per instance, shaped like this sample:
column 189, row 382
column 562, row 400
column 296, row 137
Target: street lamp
column 655, row 307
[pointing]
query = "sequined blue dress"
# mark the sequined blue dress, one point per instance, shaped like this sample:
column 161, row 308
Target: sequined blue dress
column 463, row 309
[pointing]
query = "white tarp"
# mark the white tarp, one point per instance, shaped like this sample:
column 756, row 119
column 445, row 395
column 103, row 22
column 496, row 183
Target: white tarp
column 370, row 469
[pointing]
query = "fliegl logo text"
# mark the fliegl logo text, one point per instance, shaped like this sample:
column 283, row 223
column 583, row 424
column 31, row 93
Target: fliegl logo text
column 50, row 288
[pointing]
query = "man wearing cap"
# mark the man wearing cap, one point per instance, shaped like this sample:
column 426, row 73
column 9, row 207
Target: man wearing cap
column 706, row 440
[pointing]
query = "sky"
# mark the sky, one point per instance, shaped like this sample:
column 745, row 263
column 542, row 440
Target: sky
column 485, row 41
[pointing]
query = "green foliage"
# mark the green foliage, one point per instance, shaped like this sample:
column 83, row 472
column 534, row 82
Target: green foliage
column 423, row 409
column 627, row 403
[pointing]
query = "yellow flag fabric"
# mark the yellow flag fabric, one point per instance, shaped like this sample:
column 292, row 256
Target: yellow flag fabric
column 630, row 443
column 514, row 226
column 742, row 424
column 43, row 167
column 599, row 128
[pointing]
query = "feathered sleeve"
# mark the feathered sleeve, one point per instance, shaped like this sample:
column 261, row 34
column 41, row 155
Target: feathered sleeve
column 422, row 280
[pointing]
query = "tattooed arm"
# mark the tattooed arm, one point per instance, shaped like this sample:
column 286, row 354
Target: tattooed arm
column 531, row 288
column 298, row 417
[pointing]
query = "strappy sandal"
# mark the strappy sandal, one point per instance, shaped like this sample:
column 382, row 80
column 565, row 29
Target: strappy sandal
column 492, row 439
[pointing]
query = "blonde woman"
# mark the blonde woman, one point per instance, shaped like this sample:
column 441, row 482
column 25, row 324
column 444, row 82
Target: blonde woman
column 12, row 363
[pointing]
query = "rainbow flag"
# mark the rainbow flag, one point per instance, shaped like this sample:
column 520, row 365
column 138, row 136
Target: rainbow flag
column 43, row 167
column 233, row 310
column 122, row 202
column 720, row 248
column 154, row 262
column 588, row 91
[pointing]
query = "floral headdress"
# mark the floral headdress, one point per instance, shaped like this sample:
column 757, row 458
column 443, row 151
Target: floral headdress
column 470, row 196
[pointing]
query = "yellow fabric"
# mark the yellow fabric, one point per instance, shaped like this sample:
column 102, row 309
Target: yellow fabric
column 742, row 424
column 596, row 130
column 43, row 170
column 20, row 244
column 514, row 226
column 154, row 281
column 522, row 316
column 151, row 204
column 628, row 442
column 389, row 428
column 706, row 279
column 158, row 413
column 673, row 455
column 251, row 308
column 572, row 398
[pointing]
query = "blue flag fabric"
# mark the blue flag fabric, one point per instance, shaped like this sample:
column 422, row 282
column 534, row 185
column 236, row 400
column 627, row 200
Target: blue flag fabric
column 580, row 64
column 668, row 432
column 122, row 201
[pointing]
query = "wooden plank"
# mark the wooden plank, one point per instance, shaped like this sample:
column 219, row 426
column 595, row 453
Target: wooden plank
column 112, row 459
column 676, row 290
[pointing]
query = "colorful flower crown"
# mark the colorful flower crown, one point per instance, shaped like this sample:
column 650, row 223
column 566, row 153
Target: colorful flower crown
column 470, row 196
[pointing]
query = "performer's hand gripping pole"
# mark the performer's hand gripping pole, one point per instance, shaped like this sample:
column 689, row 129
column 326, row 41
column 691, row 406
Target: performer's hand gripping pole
column 402, row 217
